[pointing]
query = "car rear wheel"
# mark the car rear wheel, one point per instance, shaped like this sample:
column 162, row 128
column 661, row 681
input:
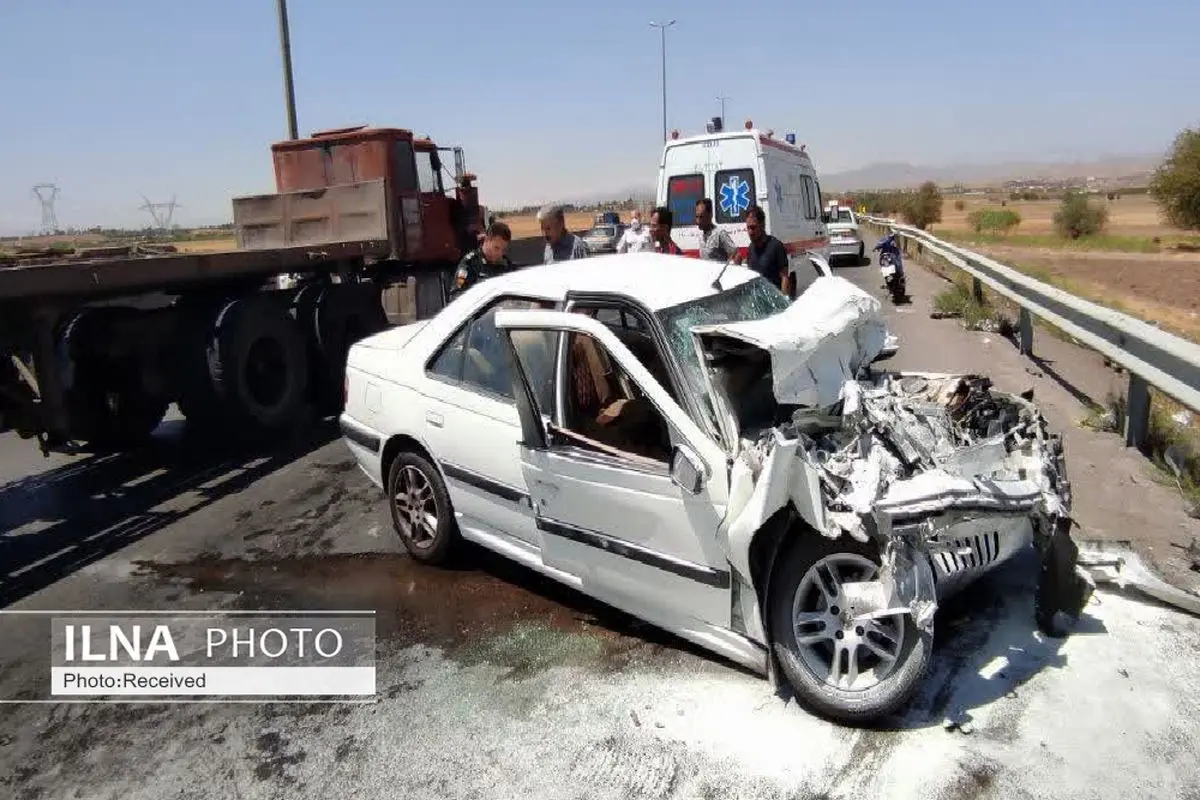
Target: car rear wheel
column 421, row 512
column 847, row 670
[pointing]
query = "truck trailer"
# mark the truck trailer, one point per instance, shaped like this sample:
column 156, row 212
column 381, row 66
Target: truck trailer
column 96, row 345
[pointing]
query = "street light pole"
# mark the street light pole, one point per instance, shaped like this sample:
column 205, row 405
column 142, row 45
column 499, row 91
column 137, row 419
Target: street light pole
column 289, row 89
column 662, row 29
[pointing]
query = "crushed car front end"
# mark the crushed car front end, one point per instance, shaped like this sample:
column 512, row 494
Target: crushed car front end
column 901, row 488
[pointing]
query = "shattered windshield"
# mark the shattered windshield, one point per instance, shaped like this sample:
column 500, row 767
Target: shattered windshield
column 755, row 299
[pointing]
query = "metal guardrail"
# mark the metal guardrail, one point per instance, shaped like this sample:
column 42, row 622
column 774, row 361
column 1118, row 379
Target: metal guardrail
column 1152, row 356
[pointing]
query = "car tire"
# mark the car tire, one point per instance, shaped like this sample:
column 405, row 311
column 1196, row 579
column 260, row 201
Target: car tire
column 800, row 567
column 414, row 487
column 862, row 252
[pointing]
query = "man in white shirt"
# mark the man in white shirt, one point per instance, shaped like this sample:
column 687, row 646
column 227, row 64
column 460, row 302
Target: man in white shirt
column 636, row 238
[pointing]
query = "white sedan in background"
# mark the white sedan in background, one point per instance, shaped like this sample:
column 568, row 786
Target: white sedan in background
column 682, row 441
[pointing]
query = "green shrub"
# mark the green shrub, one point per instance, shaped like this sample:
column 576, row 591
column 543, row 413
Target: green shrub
column 1078, row 217
column 925, row 207
column 1176, row 183
column 993, row 220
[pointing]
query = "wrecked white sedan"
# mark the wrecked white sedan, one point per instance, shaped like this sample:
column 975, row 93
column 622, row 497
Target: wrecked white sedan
column 684, row 442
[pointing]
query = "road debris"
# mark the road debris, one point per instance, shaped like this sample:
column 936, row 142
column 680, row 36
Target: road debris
column 1115, row 563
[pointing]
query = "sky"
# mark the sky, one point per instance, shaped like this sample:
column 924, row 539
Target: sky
column 120, row 100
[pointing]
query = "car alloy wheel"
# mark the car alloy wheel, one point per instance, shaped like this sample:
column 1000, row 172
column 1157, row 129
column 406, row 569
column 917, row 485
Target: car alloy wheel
column 850, row 670
column 847, row 654
column 416, row 508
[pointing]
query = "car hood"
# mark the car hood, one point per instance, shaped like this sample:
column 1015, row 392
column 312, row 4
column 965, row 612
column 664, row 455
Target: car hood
column 815, row 345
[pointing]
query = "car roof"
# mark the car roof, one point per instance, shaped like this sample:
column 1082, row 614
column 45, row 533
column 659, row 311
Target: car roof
column 656, row 280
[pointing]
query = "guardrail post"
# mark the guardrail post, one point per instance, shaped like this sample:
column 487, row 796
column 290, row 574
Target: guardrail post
column 1137, row 412
column 1025, row 328
column 977, row 290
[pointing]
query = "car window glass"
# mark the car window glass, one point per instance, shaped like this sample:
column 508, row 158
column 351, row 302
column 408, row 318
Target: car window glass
column 634, row 333
column 449, row 362
column 605, row 409
column 485, row 365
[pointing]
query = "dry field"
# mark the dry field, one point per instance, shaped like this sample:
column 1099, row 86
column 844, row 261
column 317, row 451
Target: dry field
column 1162, row 287
column 1132, row 215
column 526, row 226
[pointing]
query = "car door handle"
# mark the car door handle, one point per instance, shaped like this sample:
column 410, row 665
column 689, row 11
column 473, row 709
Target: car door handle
column 434, row 419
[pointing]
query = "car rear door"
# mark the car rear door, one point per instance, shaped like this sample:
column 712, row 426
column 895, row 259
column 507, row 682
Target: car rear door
column 471, row 423
column 615, row 501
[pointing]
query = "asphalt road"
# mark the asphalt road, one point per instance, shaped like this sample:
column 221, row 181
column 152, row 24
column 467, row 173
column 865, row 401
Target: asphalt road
column 494, row 683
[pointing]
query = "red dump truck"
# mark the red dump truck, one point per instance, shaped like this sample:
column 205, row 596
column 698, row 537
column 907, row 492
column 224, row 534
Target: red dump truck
column 96, row 345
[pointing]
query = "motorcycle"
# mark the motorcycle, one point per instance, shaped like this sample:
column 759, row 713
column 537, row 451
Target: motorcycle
column 891, row 266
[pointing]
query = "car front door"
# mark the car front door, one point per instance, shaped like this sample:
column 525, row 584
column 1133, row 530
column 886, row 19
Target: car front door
column 627, row 492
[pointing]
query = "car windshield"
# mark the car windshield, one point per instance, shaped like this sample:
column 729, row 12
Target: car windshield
column 844, row 215
column 754, row 299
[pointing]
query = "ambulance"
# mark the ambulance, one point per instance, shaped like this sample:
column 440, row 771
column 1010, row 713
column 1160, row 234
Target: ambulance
column 737, row 169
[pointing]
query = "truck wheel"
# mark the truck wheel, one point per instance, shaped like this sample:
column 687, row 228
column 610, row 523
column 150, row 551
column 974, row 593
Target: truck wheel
column 107, row 406
column 343, row 314
column 848, row 671
column 258, row 365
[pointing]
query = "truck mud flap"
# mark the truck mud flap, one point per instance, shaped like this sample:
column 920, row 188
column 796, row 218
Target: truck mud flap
column 432, row 293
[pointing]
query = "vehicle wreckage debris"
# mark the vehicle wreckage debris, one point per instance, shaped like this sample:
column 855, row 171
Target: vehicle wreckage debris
column 1116, row 564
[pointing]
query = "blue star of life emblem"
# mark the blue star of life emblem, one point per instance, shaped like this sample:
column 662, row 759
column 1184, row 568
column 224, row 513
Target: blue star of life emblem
column 735, row 196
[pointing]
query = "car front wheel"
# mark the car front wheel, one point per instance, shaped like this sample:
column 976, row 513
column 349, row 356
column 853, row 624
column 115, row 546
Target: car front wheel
column 421, row 510
column 848, row 670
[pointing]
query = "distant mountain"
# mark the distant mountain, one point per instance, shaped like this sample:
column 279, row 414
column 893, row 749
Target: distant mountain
column 901, row 176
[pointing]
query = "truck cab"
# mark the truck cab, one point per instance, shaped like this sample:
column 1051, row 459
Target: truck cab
column 738, row 169
column 364, row 183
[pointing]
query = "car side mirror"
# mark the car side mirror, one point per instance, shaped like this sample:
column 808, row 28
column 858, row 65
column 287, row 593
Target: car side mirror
column 687, row 472
column 825, row 217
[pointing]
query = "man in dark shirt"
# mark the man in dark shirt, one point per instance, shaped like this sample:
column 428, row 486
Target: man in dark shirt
column 561, row 244
column 490, row 258
column 661, row 221
column 766, row 255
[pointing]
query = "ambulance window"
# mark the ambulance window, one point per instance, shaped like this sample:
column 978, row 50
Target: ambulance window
column 811, row 209
column 683, row 192
column 820, row 199
column 734, row 189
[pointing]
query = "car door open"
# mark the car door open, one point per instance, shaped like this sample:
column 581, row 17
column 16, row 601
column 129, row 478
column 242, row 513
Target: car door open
column 627, row 491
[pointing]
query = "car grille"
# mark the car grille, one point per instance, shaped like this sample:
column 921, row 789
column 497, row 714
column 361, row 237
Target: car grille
column 966, row 553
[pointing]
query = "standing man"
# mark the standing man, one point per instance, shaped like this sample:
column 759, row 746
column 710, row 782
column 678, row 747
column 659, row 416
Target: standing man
column 561, row 244
column 661, row 220
column 715, row 243
column 636, row 238
column 766, row 255
column 490, row 258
